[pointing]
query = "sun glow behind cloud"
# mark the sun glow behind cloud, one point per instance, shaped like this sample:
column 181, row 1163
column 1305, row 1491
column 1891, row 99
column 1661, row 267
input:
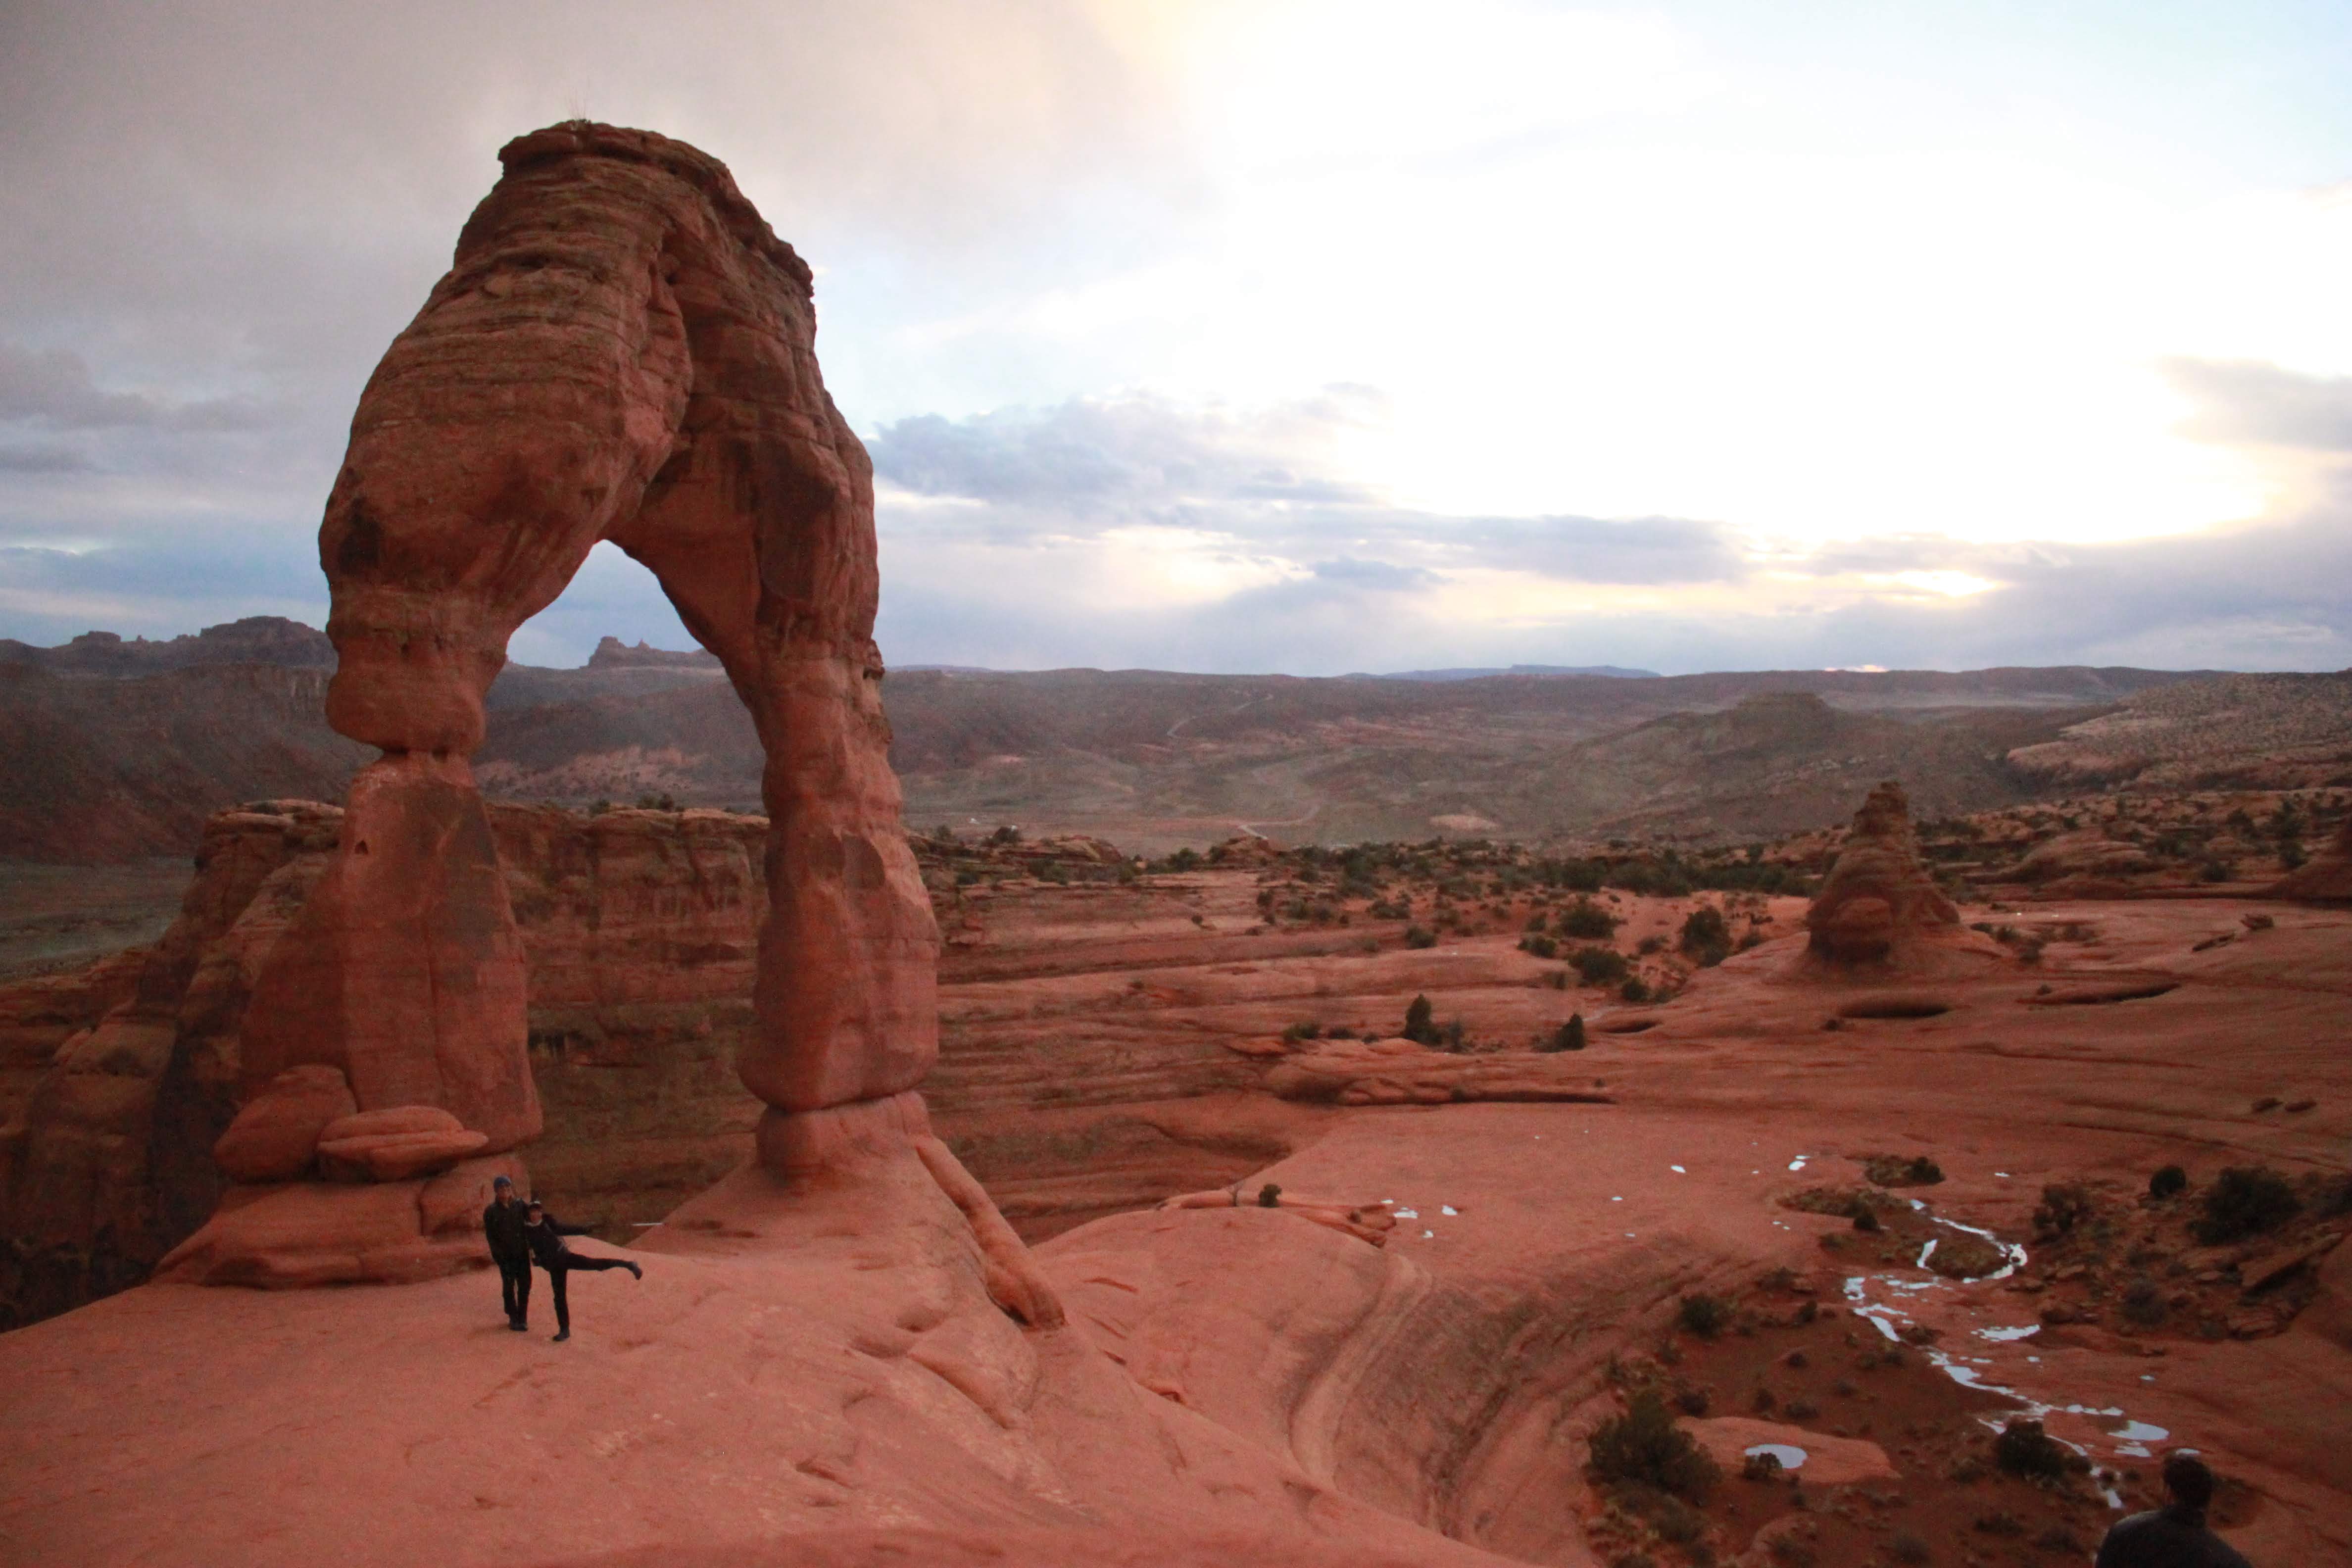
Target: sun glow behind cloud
column 1303, row 332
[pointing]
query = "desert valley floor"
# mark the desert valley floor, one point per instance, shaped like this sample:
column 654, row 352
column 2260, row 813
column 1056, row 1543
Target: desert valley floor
column 815, row 1373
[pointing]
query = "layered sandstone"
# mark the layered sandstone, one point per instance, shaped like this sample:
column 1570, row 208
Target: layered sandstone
column 1878, row 907
column 621, row 351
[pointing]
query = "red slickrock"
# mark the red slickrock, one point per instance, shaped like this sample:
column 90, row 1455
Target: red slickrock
column 277, row 1134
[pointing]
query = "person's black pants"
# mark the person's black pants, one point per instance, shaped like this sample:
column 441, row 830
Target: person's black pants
column 514, row 1284
column 555, row 1280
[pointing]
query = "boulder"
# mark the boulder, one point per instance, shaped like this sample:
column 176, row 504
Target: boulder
column 396, row 1156
column 276, row 1135
column 305, row 1233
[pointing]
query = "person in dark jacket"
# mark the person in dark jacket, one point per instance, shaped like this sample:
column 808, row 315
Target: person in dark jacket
column 502, row 1224
column 2173, row 1536
column 546, row 1237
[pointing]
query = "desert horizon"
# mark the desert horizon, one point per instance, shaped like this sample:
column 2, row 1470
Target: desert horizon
column 1517, row 784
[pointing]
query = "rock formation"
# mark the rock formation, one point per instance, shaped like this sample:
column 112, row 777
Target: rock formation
column 1878, row 907
column 622, row 350
column 2326, row 877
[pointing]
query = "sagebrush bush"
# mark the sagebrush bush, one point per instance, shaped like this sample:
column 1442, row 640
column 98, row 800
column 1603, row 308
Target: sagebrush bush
column 1703, row 1315
column 1644, row 1447
column 2244, row 1200
column 1599, row 965
column 2169, row 1181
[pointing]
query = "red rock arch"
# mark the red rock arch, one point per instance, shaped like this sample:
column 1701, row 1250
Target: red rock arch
column 622, row 350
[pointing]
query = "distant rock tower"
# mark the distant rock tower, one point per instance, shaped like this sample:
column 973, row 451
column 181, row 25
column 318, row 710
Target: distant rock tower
column 1878, row 901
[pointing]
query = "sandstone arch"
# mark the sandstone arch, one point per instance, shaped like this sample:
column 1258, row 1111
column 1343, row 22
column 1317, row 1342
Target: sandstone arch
column 622, row 350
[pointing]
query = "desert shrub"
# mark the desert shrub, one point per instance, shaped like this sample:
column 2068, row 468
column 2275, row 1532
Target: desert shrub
column 1269, row 1196
column 1865, row 1219
column 2024, row 1448
column 1703, row 1315
column 1569, row 1036
column 1678, row 1522
column 1540, row 946
column 1185, row 859
column 600, row 807
column 1419, row 936
column 1599, row 965
column 1421, row 1022
column 1761, row 1468
column 2169, row 1181
column 1650, row 944
column 1453, row 1038
column 1557, row 979
column 1645, row 1447
column 1008, row 833
column 1587, row 921
column 1691, row 1401
column 1389, row 909
column 1705, row 936
column 1762, row 1400
column 1635, row 989
column 2143, row 1303
column 2214, row 870
column 1896, row 1171
column 1306, row 1029
column 2246, row 1200
column 2064, row 1205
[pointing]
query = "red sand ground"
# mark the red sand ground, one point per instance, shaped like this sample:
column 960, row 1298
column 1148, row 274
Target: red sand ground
column 817, row 1377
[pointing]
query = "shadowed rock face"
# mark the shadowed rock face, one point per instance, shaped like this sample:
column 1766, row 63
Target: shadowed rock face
column 1878, row 896
column 2325, row 879
column 621, row 351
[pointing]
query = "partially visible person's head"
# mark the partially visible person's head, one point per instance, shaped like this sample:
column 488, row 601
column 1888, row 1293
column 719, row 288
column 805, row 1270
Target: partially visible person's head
column 532, row 1212
column 502, row 1189
column 2189, row 1480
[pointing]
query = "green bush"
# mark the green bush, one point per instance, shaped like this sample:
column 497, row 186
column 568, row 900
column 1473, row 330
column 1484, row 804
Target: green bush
column 1569, row 1036
column 1703, row 1315
column 2169, row 1181
column 1587, row 921
column 1706, row 936
column 1540, row 946
column 1634, row 989
column 1599, row 965
column 1644, row 1447
column 2244, row 1200
column 1419, row 936
column 2024, row 1448
column 1419, row 1022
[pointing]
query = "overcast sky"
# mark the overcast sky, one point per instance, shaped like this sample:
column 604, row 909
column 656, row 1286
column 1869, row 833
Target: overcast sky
column 1310, row 337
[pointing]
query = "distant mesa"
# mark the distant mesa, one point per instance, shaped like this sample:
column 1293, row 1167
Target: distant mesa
column 612, row 652
column 1614, row 671
column 255, row 639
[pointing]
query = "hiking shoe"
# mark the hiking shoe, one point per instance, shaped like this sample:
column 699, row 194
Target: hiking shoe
column 562, row 1337
column 517, row 1325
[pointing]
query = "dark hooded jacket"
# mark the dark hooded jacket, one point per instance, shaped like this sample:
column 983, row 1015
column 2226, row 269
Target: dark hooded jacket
column 2171, row 1537
column 502, row 1227
column 546, row 1240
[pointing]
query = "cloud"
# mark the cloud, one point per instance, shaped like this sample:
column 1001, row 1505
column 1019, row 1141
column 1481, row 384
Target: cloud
column 1092, row 453
column 55, row 389
column 2248, row 402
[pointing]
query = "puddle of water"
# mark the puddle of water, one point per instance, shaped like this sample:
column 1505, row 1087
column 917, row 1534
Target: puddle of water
column 2002, row 1336
column 1798, row 1163
column 1791, row 1458
column 1408, row 1214
column 1677, row 1170
column 1447, row 1209
column 1428, row 1235
column 1616, row 1200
